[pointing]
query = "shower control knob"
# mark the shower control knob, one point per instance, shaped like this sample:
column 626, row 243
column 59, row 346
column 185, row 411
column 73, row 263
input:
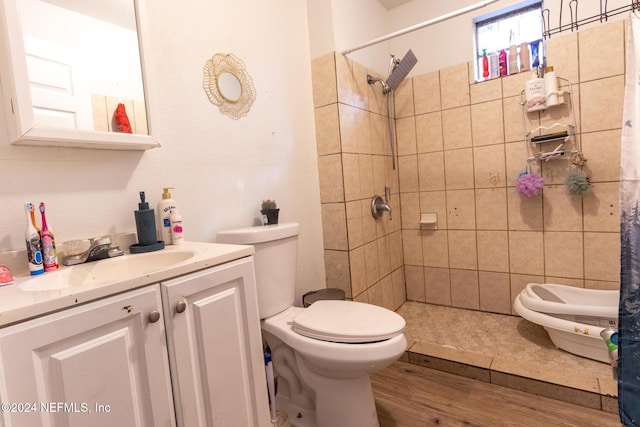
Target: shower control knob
column 154, row 316
column 181, row 307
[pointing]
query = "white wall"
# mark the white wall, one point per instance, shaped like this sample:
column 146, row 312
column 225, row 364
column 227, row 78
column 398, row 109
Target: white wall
column 221, row 168
column 438, row 46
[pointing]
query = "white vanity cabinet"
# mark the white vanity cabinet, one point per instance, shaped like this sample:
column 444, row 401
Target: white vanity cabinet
column 215, row 347
column 98, row 364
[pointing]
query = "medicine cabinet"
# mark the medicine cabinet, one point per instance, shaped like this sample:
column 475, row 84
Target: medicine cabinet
column 67, row 66
column 550, row 133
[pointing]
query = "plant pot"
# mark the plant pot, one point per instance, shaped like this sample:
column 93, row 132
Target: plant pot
column 271, row 214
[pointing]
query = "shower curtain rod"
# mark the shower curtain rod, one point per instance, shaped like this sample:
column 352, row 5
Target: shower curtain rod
column 420, row 25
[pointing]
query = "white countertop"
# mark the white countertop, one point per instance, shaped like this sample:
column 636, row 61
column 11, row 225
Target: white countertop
column 17, row 304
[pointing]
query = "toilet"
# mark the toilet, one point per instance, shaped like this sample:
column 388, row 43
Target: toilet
column 322, row 354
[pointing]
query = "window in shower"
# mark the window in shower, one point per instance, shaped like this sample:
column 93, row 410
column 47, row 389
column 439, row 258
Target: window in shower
column 498, row 31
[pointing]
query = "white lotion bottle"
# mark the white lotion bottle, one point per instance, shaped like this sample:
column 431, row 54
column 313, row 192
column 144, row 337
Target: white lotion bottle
column 551, row 87
column 175, row 219
column 165, row 205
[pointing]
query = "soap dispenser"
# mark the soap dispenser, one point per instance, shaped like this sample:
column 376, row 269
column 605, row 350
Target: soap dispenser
column 146, row 228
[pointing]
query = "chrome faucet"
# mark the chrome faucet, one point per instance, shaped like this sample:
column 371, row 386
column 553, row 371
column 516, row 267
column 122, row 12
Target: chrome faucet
column 378, row 205
column 99, row 248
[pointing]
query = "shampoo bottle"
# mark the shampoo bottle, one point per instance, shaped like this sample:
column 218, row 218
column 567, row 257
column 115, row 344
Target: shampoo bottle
column 485, row 64
column 34, row 246
column 165, row 205
column 525, row 64
column 513, row 59
column 494, row 65
column 145, row 223
column 176, row 227
column 502, row 61
column 50, row 256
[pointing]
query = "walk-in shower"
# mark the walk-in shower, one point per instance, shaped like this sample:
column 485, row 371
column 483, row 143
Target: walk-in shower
column 398, row 70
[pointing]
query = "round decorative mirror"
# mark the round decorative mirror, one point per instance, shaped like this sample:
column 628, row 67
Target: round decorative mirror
column 228, row 85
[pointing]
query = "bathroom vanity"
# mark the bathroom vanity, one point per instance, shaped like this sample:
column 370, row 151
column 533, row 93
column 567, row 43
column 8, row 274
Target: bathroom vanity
column 161, row 345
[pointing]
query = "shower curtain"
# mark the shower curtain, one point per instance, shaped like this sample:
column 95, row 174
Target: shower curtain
column 629, row 311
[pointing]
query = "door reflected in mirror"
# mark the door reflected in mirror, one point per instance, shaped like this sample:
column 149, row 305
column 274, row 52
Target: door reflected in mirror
column 79, row 76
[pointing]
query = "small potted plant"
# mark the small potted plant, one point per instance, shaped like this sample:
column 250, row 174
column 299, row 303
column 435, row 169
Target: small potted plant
column 270, row 211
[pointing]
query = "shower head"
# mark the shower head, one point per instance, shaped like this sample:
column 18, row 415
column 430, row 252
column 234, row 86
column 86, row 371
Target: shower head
column 400, row 71
column 371, row 80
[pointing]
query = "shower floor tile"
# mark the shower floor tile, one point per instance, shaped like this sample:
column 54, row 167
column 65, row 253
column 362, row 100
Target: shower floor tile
column 505, row 350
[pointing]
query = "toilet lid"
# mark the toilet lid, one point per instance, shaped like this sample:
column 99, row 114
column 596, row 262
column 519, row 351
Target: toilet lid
column 347, row 322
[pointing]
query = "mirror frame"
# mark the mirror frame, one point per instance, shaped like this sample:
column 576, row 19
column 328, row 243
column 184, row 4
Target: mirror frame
column 16, row 94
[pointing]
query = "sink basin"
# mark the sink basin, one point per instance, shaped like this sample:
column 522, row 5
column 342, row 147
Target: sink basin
column 108, row 270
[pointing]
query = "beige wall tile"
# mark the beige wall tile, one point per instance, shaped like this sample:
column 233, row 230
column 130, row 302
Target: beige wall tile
column 369, row 231
column 388, row 300
column 435, row 202
column 334, row 228
column 458, row 168
column 491, row 209
column 365, row 168
column 512, row 119
column 431, row 171
column 435, row 248
column 351, row 176
column 562, row 54
column 384, row 256
column 437, row 286
column 323, row 70
column 602, row 256
column 461, row 211
column 494, row 291
column 514, row 84
column 493, row 251
column 327, row 129
column 562, row 210
column 403, row 97
column 598, row 284
column 379, row 174
column 602, row 150
column 410, row 216
column 337, row 271
column 379, row 135
column 454, row 86
column 330, row 177
column 414, row 276
column 429, row 132
column 516, row 162
column 526, row 252
column 602, row 207
column 563, row 254
column 348, row 128
column 360, row 87
column 486, row 123
column 408, row 173
column 601, row 104
column 456, row 128
column 486, row 91
column 489, row 166
column 363, row 132
column 601, row 51
column 378, row 103
column 577, row 283
column 399, row 291
column 462, row 249
column 345, row 79
column 358, row 271
column 426, row 89
column 464, row 289
column 395, row 250
column 412, row 247
column 371, row 263
column 525, row 213
column 406, row 136
column 354, row 224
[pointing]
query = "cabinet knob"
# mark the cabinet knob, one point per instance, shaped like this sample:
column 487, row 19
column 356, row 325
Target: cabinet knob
column 181, row 307
column 154, row 316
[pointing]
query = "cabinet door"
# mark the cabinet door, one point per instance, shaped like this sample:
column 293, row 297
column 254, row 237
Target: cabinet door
column 215, row 347
column 99, row 364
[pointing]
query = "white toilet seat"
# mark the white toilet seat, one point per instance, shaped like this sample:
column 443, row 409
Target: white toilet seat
column 347, row 322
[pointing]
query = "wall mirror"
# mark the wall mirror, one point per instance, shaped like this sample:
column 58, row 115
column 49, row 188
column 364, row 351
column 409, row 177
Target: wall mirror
column 72, row 74
column 228, row 85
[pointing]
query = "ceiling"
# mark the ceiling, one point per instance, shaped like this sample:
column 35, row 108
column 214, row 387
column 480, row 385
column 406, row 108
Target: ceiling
column 390, row 4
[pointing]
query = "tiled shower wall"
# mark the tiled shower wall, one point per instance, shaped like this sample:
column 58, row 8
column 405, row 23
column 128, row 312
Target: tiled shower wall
column 461, row 149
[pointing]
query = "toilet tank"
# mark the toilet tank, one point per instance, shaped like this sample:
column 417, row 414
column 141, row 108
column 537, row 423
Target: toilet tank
column 276, row 251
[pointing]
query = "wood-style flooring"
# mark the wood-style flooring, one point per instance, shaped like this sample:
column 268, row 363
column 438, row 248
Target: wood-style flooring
column 408, row 395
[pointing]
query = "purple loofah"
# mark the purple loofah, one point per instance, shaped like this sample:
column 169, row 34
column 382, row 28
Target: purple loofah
column 529, row 184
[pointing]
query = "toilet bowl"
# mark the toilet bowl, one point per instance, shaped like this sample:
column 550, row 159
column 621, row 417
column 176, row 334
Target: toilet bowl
column 322, row 354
